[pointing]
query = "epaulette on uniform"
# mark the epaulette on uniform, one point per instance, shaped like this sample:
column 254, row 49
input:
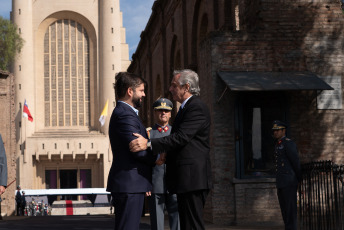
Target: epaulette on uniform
column 148, row 129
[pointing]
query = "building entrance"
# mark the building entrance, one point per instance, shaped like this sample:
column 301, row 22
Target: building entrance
column 68, row 179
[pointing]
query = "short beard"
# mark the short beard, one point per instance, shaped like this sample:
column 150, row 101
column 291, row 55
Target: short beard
column 137, row 102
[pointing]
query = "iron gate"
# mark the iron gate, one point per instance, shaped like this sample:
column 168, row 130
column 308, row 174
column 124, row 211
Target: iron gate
column 321, row 201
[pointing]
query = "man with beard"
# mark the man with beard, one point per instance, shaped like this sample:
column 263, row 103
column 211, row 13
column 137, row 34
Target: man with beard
column 131, row 173
column 188, row 172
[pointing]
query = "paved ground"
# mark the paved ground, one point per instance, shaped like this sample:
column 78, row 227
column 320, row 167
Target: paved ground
column 102, row 222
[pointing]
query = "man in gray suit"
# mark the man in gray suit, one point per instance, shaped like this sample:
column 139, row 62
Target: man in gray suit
column 3, row 167
column 160, row 197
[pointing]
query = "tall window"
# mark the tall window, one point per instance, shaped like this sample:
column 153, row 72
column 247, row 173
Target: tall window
column 255, row 113
column 66, row 75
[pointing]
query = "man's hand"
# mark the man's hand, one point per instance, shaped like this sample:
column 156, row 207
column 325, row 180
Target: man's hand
column 138, row 144
column 162, row 159
column 148, row 193
column 2, row 189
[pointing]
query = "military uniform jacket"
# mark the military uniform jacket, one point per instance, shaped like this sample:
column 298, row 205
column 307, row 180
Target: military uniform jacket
column 3, row 164
column 188, row 162
column 288, row 169
column 159, row 171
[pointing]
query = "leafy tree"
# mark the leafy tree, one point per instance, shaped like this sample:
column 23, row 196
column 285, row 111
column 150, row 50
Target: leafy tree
column 10, row 43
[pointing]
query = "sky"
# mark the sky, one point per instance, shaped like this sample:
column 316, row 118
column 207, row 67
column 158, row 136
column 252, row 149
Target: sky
column 135, row 17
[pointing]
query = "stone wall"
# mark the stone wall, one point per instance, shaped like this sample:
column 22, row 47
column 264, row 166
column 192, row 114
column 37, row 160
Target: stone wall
column 7, row 130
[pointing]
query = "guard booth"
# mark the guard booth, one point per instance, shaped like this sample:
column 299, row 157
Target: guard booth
column 257, row 99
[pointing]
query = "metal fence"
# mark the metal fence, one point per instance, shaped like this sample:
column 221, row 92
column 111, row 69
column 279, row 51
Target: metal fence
column 321, row 196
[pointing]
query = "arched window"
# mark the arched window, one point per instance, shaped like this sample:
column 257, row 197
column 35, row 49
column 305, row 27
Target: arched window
column 66, row 75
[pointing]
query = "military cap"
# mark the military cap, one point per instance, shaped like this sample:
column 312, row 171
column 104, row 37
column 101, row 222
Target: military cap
column 278, row 125
column 163, row 103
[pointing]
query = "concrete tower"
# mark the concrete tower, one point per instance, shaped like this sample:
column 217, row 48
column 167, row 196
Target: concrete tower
column 65, row 72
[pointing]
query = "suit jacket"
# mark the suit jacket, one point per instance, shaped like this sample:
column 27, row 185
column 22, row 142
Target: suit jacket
column 130, row 172
column 159, row 171
column 187, row 147
column 3, row 164
column 288, row 169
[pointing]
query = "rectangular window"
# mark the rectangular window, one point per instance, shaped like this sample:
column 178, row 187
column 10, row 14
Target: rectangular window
column 255, row 113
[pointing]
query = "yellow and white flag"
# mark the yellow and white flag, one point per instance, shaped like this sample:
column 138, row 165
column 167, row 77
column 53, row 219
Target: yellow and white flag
column 104, row 114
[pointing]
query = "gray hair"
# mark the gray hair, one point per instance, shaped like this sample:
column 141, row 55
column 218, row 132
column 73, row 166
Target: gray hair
column 190, row 77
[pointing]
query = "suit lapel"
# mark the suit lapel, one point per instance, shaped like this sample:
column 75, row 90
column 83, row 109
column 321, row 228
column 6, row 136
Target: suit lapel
column 130, row 110
column 181, row 112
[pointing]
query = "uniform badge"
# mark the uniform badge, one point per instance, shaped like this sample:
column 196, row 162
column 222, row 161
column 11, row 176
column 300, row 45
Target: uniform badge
column 280, row 147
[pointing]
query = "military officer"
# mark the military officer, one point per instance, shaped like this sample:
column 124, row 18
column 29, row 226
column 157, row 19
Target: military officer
column 160, row 197
column 288, row 174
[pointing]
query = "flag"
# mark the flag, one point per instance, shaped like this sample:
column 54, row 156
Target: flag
column 26, row 112
column 104, row 114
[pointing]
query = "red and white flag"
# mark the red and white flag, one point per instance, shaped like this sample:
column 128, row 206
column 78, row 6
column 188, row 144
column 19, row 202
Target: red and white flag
column 26, row 112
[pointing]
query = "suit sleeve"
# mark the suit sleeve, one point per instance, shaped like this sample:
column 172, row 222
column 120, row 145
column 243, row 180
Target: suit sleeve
column 194, row 119
column 3, row 164
column 293, row 158
column 127, row 125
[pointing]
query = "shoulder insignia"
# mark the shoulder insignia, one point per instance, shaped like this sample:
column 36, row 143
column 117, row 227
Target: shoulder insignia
column 148, row 131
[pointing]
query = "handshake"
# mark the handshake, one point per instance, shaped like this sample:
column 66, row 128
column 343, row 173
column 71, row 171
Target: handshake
column 140, row 144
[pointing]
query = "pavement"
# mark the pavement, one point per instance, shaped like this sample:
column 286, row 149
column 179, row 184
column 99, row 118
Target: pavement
column 94, row 222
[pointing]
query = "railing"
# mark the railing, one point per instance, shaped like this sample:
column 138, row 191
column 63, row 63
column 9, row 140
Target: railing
column 321, row 196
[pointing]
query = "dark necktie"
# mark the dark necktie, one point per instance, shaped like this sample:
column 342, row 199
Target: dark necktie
column 179, row 112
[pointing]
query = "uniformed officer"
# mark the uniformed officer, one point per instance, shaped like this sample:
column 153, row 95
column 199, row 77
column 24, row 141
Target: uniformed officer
column 288, row 174
column 160, row 198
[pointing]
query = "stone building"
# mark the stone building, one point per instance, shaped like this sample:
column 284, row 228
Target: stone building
column 258, row 61
column 8, row 133
column 65, row 72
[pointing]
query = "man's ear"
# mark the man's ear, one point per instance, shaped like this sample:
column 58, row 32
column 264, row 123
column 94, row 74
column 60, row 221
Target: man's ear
column 187, row 87
column 130, row 91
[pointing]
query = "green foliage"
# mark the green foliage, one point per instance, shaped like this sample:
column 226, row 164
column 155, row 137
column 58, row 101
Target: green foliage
column 10, row 43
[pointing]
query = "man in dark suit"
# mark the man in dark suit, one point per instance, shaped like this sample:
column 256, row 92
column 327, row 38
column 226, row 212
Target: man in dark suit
column 288, row 174
column 130, row 174
column 187, row 147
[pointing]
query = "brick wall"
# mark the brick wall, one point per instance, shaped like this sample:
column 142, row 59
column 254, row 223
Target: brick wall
column 275, row 36
column 7, row 130
column 287, row 37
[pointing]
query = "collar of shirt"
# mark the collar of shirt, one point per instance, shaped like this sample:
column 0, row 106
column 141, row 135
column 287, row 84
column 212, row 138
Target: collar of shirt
column 184, row 102
column 160, row 128
column 280, row 140
column 135, row 110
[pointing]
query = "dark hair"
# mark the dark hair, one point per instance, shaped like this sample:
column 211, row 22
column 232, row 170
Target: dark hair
column 124, row 81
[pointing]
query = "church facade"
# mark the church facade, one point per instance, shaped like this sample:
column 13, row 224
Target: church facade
column 64, row 74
